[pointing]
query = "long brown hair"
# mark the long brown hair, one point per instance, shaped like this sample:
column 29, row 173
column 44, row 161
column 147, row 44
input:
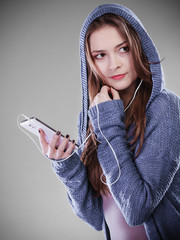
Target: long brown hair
column 135, row 115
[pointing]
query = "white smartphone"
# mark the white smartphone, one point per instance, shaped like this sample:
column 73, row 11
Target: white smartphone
column 33, row 124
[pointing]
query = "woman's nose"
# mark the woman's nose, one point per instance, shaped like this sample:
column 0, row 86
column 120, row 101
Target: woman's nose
column 114, row 62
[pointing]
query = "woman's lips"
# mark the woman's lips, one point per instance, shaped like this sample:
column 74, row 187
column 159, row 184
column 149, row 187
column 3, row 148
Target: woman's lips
column 118, row 77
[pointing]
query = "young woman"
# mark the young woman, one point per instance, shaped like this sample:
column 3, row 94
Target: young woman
column 125, row 179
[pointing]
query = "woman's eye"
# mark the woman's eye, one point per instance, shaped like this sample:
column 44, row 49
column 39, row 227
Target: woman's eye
column 100, row 56
column 124, row 49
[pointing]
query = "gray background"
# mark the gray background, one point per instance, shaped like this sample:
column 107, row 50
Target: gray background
column 40, row 76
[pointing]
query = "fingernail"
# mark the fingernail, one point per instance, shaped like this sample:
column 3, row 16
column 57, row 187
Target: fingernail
column 73, row 141
column 58, row 133
column 67, row 136
column 39, row 130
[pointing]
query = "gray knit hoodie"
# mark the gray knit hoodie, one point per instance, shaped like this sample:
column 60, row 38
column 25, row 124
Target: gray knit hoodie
column 147, row 191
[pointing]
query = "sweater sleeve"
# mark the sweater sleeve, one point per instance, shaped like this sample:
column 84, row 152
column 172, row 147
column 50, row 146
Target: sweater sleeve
column 72, row 173
column 143, row 182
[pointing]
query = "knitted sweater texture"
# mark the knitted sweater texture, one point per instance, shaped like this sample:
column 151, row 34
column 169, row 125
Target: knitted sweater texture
column 147, row 191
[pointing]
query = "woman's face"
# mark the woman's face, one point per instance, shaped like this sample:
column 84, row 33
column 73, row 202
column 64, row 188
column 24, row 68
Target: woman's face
column 113, row 58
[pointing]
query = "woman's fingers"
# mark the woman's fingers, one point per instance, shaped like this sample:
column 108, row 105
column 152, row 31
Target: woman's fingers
column 103, row 95
column 115, row 94
column 70, row 148
column 106, row 94
column 65, row 148
column 105, row 91
column 43, row 142
column 51, row 150
column 62, row 147
column 52, row 145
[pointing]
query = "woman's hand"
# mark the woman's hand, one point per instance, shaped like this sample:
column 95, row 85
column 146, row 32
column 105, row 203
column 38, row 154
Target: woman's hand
column 64, row 150
column 104, row 95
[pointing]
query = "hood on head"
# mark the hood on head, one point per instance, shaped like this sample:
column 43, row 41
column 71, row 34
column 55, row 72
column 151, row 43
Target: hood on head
column 147, row 44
